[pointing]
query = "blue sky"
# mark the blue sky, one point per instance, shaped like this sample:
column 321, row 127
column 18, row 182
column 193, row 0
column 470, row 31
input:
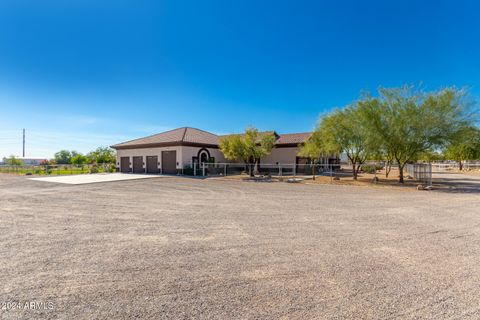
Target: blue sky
column 79, row 74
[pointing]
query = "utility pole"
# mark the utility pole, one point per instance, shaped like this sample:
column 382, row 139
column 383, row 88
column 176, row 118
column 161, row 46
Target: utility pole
column 23, row 143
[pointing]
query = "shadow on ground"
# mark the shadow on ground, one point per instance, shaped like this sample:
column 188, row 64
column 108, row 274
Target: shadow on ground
column 456, row 182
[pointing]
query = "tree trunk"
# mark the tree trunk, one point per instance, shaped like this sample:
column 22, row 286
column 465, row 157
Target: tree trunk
column 354, row 171
column 256, row 166
column 460, row 165
column 400, row 169
column 388, row 168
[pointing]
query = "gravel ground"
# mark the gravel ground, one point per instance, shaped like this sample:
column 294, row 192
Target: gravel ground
column 182, row 248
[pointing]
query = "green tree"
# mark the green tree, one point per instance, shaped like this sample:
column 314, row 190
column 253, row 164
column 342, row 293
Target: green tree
column 248, row 147
column 79, row 159
column 342, row 131
column 464, row 146
column 102, row 155
column 63, row 157
column 431, row 155
column 13, row 161
column 409, row 122
column 312, row 149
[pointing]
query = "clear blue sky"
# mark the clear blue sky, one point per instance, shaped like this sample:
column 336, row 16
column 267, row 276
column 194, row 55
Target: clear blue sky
column 78, row 74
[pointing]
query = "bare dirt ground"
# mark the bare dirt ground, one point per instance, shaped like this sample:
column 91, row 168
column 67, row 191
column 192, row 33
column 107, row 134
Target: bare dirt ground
column 178, row 248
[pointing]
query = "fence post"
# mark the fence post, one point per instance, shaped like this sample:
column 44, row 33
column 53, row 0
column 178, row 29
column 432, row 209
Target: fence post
column 203, row 169
column 194, row 169
column 430, row 175
column 294, row 169
column 279, row 170
column 224, row 169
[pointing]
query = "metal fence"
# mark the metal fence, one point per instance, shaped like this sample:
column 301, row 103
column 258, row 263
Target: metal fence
column 451, row 165
column 421, row 172
column 264, row 169
column 60, row 169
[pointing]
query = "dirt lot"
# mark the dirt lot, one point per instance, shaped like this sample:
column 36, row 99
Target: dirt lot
column 187, row 248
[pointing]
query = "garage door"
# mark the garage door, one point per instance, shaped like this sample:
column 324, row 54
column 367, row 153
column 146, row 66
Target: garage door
column 152, row 164
column 138, row 165
column 169, row 162
column 124, row 164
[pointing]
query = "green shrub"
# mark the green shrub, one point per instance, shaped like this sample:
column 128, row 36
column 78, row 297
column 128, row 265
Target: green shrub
column 188, row 170
column 94, row 169
column 111, row 167
column 369, row 168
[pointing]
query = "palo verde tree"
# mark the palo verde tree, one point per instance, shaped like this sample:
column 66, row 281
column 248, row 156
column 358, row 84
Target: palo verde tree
column 342, row 131
column 248, row 147
column 465, row 145
column 312, row 149
column 409, row 122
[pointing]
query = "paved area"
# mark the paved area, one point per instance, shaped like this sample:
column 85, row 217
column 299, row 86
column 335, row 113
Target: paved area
column 186, row 248
column 94, row 178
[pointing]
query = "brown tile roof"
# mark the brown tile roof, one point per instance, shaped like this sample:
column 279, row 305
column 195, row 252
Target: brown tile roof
column 184, row 135
column 293, row 138
column 193, row 136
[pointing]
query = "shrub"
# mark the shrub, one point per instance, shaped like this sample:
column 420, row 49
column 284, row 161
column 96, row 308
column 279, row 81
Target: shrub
column 371, row 168
column 188, row 170
column 94, row 169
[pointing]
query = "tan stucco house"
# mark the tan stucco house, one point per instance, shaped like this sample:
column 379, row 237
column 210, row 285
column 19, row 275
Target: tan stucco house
column 171, row 151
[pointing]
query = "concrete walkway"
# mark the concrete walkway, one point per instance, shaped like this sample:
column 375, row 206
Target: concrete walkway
column 95, row 178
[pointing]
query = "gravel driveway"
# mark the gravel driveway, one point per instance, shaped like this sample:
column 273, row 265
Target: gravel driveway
column 184, row 248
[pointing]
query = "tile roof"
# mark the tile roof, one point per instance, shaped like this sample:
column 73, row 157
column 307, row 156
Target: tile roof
column 293, row 138
column 193, row 136
column 180, row 135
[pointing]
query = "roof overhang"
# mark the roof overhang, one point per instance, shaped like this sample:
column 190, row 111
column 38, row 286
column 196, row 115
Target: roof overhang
column 164, row 144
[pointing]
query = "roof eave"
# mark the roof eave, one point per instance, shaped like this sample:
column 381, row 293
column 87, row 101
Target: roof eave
column 164, row 144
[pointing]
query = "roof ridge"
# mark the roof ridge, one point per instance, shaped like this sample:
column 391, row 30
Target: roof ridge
column 202, row 131
column 184, row 133
column 309, row 132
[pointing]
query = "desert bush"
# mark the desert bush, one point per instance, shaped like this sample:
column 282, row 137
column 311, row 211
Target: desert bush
column 368, row 168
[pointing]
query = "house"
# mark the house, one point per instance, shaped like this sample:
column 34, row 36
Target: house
column 171, row 151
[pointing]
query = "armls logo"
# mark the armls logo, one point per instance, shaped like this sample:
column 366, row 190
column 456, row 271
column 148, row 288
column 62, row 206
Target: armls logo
column 28, row 305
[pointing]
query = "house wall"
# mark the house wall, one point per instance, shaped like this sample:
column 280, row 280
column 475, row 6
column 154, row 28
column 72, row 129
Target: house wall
column 281, row 155
column 189, row 152
column 144, row 152
column 184, row 154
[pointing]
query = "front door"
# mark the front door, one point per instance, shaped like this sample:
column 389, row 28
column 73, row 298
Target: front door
column 169, row 162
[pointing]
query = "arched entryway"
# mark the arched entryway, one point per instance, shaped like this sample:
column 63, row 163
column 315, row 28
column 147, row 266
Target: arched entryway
column 203, row 156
